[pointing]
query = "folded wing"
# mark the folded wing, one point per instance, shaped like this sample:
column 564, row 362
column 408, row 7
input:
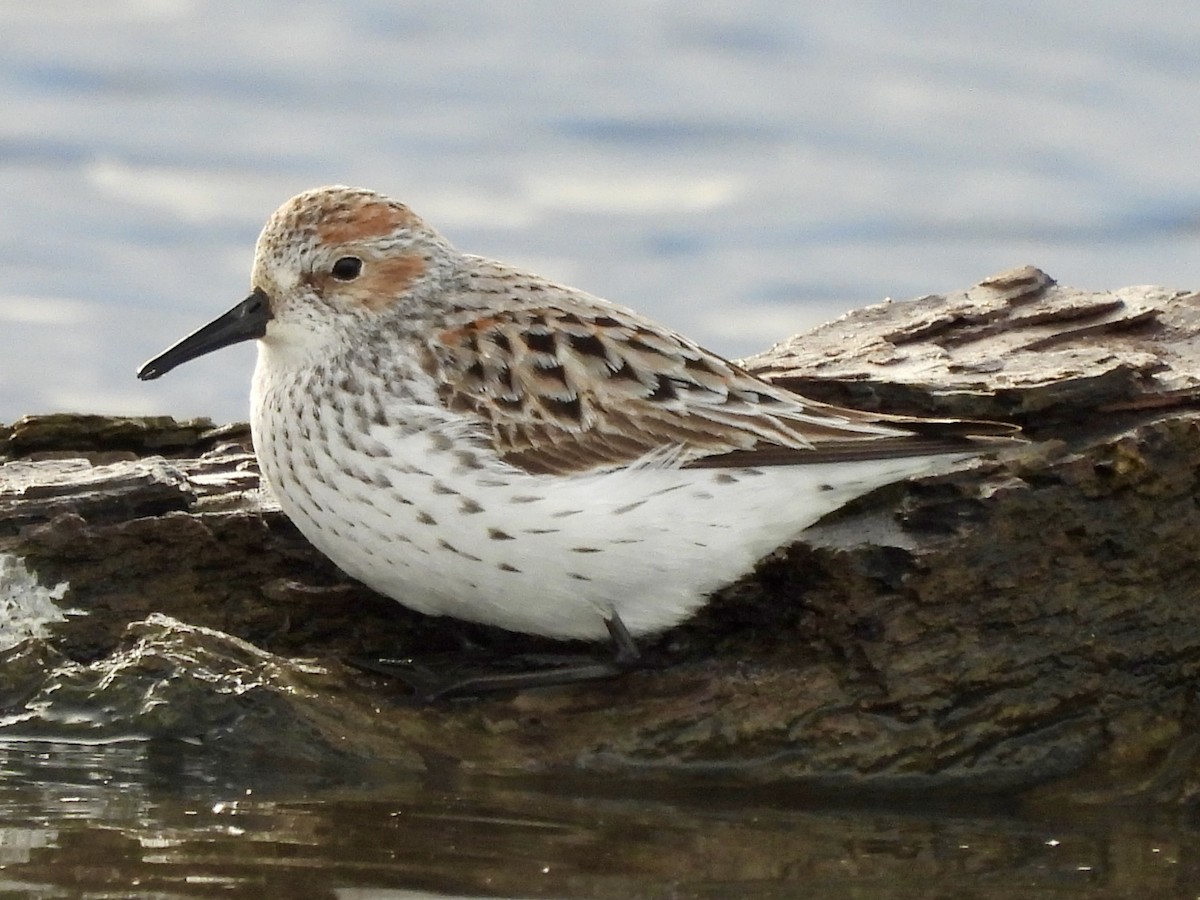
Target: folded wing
column 570, row 390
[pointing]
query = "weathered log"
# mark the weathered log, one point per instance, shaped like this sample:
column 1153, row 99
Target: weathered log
column 1027, row 625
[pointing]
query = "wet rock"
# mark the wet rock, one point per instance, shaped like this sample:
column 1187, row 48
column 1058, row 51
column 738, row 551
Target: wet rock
column 1027, row 626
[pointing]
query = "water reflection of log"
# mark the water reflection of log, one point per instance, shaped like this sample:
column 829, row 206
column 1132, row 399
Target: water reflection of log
column 1026, row 625
column 185, row 826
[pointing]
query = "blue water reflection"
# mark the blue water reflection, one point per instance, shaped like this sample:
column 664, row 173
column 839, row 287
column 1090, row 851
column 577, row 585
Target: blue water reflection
column 739, row 172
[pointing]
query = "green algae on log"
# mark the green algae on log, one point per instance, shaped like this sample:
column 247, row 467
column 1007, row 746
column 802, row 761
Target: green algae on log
column 1027, row 626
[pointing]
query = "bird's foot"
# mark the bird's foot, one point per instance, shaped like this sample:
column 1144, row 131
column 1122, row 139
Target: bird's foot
column 536, row 670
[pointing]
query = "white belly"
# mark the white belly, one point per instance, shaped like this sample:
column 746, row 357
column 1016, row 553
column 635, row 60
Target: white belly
column 459, row 534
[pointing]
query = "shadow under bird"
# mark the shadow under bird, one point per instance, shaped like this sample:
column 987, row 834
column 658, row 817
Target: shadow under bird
column 476, row 441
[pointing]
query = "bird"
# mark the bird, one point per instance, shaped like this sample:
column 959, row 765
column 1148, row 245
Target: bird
column 477, row 441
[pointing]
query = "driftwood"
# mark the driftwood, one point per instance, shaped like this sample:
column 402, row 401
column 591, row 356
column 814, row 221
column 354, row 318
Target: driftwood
column 1026, row 626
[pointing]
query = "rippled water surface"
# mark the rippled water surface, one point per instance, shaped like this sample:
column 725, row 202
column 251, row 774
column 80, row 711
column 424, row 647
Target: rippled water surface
column 133, row 821
column 738, row 170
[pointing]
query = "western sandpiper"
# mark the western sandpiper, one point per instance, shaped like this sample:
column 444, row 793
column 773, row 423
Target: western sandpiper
column 476, row 441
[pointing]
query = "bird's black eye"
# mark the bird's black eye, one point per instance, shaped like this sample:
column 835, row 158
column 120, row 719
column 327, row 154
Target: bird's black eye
column 347, row 268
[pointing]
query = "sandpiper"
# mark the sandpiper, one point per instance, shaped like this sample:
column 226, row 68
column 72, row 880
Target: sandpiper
column 476, row 441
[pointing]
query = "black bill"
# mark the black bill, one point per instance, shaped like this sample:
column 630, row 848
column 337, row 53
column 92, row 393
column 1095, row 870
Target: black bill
column 245, row 321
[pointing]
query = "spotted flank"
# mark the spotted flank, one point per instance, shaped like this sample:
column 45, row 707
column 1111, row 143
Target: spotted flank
column 475, row 441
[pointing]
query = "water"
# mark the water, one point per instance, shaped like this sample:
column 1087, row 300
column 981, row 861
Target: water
column 740, row 171
column 140, row 822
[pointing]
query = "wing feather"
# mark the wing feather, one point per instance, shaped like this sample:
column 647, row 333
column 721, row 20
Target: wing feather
column 586, row 385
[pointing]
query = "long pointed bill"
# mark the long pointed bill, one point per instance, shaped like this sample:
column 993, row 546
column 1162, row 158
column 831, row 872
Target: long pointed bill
column 245, row 321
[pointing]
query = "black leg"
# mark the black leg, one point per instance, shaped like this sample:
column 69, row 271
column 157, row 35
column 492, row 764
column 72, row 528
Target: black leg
column 430, row 686
column 625, row 651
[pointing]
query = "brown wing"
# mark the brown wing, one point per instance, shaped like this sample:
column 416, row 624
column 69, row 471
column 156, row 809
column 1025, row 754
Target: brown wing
column 567, row 390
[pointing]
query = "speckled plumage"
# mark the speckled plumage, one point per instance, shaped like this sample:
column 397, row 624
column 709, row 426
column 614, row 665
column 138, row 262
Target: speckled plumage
column 476, row 441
